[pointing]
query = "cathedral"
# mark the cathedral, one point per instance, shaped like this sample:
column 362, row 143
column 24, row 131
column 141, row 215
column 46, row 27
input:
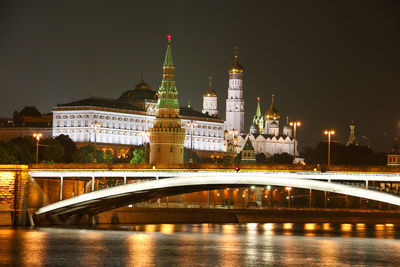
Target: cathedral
column 142, row 115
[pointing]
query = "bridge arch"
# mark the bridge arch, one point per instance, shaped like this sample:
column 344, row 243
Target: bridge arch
column 114, row 197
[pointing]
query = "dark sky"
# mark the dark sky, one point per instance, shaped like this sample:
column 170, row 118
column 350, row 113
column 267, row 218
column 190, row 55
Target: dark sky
column 326, row 61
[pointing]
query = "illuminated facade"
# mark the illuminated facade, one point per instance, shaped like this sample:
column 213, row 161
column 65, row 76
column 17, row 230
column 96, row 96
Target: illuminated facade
column 271, row 139
column 124, row 120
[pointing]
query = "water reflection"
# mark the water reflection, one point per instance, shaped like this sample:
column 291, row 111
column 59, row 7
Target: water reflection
column 228, row 245
column 34, row 247
column 6, row 242
column 204, row 245
column 94, row 249
column 141, row 249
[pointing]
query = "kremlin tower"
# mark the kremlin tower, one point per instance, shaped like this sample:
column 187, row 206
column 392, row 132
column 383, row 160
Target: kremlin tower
column 235, row 101
column 167, row 135
column 258, row 118
column 210, row 100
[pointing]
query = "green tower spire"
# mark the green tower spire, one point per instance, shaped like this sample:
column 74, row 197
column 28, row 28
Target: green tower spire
column 258, row 118
column 258, row 112
column 168, row 94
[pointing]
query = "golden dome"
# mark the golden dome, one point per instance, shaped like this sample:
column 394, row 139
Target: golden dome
column 236, row 68
column 142, row 85
column 210, row 91
column 272, row 113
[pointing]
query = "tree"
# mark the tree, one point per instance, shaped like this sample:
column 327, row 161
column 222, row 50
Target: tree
column 186, row 156
column 82, row 156
column 138, row 156
column 261, row 158
column 6, row 157
column 108, row 157
column 68, row 145
column 53, row 152
column 22, row 149
column 283, row 158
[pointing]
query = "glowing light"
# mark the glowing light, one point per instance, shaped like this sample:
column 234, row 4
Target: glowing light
column 37, row 136
column 360, row 226
column 310, row 226
column 169, row 37
column 288, row 226
column 379, row 227
column 167, row 228
column 228, row 229
column 346, row 227
column 269, row 226
column 326, row 226
column 258, row 98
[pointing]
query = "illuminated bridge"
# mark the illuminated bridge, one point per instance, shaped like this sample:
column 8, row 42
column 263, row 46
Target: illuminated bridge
column 156, row 184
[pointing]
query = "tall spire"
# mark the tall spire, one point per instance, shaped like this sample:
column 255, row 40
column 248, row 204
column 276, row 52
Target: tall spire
column 168, row 55
column 167, row 135
column 352, row 138
column 236, row 68
column 258, row 118
column 210, row 91
column 258, row 112
column 168, row 94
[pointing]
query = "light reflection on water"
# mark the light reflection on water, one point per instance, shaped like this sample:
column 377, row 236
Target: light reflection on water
column 203, row 245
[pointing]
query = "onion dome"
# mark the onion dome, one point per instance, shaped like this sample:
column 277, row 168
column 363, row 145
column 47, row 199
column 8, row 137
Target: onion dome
column 254, row 129
column 272, row 113
column 210, row 91
column 141, row 92
column 236, row 68
column 142, row 85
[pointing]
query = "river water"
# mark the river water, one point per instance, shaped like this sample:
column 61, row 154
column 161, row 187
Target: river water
column 203, row 245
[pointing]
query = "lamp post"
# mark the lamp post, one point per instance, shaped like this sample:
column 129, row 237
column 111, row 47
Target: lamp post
column 233, row 132
column 191, row 124
column 329, row 133
column 95, row 125
column 145, row 134
column 294, row 124
column 288, row 189
column 37, row 137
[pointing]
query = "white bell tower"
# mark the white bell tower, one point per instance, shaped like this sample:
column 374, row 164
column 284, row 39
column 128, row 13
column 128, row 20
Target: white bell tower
column 235, row 101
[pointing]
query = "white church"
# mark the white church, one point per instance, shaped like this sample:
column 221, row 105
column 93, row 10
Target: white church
column 125, row 121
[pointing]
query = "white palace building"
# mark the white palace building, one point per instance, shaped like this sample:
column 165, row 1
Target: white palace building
column 125, row 121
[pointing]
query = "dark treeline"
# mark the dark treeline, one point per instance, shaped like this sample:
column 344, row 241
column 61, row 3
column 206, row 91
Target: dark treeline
column 62, row 149
column 343, row 155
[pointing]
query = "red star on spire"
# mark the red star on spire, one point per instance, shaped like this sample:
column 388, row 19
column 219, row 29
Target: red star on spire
column 169, row 37
column 258, row 98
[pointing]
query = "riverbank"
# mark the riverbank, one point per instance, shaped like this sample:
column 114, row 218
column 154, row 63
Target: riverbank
column 136, row 215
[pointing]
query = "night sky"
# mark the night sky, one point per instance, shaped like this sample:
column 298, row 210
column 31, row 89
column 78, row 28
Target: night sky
column 327, row 62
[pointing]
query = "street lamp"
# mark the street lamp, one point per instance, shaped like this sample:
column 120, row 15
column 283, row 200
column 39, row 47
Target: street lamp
column 145, row 134
column 233, row 132
column 329, row 133
column 37, row 136
column 288, row 189
column 95, row 125
column 294, row 124
column 191, row 124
